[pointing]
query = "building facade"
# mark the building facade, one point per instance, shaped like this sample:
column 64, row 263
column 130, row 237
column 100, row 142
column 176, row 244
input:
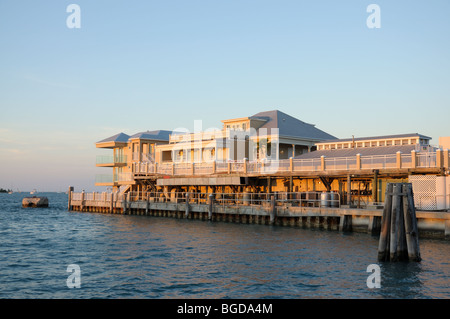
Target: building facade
column 274, row 152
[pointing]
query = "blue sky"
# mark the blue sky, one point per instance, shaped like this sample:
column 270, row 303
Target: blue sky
column 145, row 65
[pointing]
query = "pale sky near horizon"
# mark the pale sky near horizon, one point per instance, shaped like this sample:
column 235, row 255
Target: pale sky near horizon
column 148, row 65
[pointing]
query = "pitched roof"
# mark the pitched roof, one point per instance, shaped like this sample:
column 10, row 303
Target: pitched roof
column 121, row 137
column 161, row 135
column 379, row 137
column 290, row 126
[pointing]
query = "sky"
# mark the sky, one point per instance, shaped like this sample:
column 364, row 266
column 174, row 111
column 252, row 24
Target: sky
column 134, row 66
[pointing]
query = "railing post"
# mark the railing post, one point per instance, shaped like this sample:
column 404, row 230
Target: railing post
column 173, row 169
column 445, row 161
column 322, row 163
column 399, row 159
column 413, row 159
column 291, row 164
column 214, row 167
column 193, row 168
column 229, row 167
column 358, row 161
column 439, row 162
column 70, row 192
column 245, row 165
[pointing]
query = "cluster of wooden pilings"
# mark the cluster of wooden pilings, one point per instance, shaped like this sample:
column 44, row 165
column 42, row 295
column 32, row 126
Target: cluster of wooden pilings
column 399, row 232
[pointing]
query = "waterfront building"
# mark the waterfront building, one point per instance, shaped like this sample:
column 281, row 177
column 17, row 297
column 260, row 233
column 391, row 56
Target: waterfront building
column 265, row 136
column 273, row 152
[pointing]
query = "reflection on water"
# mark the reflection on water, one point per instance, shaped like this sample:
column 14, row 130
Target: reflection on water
column 151, row 257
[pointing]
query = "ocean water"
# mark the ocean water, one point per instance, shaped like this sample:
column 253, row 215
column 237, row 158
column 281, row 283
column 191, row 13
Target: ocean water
column 162, row 258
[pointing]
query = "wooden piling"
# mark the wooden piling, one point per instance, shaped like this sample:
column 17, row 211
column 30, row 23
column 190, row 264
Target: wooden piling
column 186, row 214
column 210, row 206
column 69, row 204
column 111, row 207
column 398, row 236
column 272, row 210
column 383, row 245
column 411, row 231
column 394, row 231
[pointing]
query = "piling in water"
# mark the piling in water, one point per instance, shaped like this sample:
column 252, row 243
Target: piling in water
column 399, row 234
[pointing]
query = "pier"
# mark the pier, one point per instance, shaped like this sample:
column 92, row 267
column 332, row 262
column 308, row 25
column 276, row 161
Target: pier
column 319, row 210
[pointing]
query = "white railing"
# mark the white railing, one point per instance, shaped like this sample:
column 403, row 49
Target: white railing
column 302, row 165
column 426, row 159
column 288, row 165
column 340, row 163
column 379, row 161
column 307, row 199
column 203, row 168
column 183, row 169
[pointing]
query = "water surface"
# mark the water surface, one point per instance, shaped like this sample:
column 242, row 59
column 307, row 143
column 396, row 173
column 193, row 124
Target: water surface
column 156, row 257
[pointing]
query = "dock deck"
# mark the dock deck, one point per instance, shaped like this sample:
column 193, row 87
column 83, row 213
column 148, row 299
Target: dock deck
column 288, row 209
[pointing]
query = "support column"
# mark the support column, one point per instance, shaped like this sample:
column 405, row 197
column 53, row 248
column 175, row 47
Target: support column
column 375, row 186
column 349, row 190
column 210, row 206
column 291, row 184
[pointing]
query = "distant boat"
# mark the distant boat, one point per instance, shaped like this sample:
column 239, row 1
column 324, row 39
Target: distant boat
column 10, row 192
column 33, row 192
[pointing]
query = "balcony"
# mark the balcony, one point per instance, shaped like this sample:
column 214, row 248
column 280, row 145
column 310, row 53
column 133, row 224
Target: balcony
column 104, row 180
column 111, row 160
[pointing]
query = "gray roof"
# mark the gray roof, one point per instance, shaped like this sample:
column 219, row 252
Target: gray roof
column 121, row 137
column 378, row 137
column 364, row 151
column 290, row 126
column 160, row 135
